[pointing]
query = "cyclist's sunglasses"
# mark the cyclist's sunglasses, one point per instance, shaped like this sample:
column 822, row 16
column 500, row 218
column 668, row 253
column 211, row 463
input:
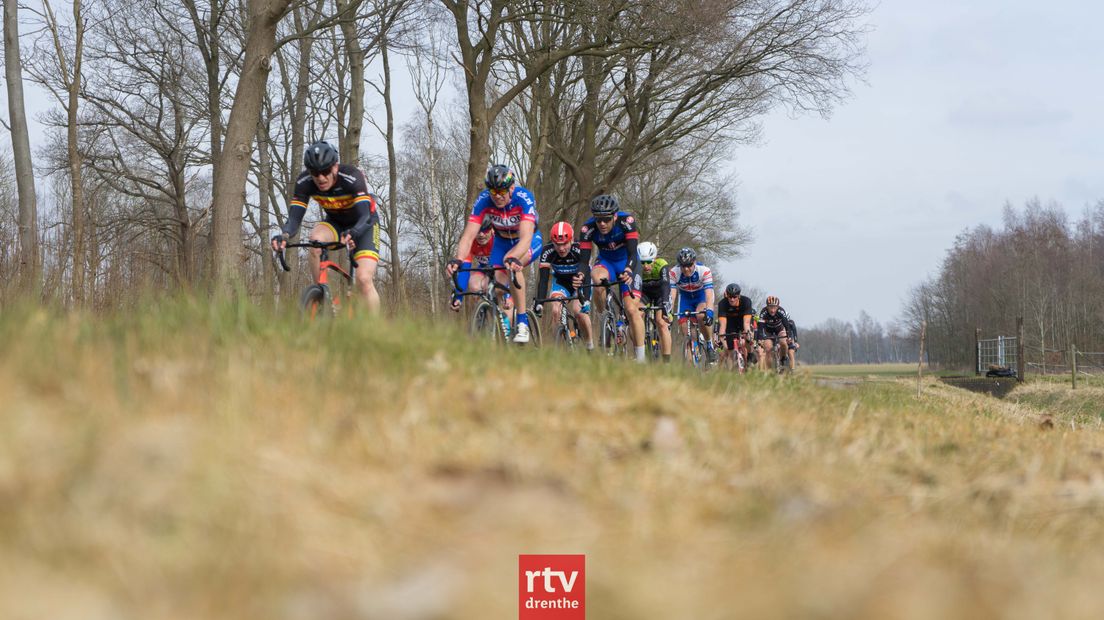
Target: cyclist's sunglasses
column 605, row 219
column 646, row 262
column 500, row 192
column 319, row 173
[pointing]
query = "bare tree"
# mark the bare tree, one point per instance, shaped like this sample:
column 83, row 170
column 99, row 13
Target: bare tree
column 229, row 188
column 29, row 256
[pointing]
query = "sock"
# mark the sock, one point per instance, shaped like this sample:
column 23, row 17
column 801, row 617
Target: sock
column 667, row 359
column 640, row 354
column 523, row 318
column 590, row 345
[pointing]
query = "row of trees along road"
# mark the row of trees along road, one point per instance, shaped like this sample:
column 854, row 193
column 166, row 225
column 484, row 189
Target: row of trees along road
column 176, row 127
column 1040, row 266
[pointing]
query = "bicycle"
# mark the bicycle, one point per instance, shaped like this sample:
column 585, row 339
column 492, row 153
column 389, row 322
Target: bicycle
column 735, row 358
column 317, row 296
column 614, row 328
column 779, row 360
column 490, row 320
column 567, row 332
column 693, row 350
column 651, row 331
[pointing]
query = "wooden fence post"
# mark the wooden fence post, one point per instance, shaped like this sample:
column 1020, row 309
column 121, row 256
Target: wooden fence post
column 977, row 351
column 1021, row 363
column 920, row 361
column 1073, row 364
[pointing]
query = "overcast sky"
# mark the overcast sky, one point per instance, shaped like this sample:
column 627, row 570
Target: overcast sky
column 967, row 106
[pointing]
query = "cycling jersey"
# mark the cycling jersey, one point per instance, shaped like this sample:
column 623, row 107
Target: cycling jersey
column 655, row 288
column 616, row 249
column 562, row 268
column 734, row 314
column 774, row 324
column 507, row 220
column 348, row 208
column 654, row 271
column 699, row 280
column 691, row 288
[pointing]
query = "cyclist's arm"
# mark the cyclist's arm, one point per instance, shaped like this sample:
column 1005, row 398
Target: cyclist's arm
column 633, row 264
column 722, row 322
column 471, row 229
column 665, row 277
column 585, row 246
column 792, row 328
column 366, row 216
column 542, row 285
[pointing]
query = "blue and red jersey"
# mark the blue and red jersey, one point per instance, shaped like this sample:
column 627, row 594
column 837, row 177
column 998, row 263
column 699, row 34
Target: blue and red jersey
column 506, row 221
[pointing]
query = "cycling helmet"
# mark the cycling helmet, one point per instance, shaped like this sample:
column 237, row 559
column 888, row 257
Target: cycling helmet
column 320, row 157
column 772, row 300
column 686, row 257
column 647, row 251
column 604, row 204
column 732, row 290
column 499, row 176
column 562, row 233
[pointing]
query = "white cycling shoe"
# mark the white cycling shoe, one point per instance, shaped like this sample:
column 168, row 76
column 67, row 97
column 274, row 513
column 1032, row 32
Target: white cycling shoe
column 522, row 335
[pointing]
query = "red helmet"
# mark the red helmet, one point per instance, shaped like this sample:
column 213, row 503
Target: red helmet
column 562, row 233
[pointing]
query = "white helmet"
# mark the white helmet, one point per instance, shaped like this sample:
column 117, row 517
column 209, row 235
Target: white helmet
column 647, row 251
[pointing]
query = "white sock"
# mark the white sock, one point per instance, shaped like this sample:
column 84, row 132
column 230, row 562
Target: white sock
column 640, row 354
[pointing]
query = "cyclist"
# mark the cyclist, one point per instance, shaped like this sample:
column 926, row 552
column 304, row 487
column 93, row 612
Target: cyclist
column 512, row 211
column 693, row 284
column 734, row 313
column 614, row 233
column 478, row 256
column 655, row 290
column 563, row 259
column 350, row 215
column 775, row 324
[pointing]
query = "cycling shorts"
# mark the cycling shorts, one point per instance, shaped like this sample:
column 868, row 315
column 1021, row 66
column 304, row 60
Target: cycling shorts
column 366, row 244
column 502, row 245
column 651, row 293
column 689, row 302
column 615, row 268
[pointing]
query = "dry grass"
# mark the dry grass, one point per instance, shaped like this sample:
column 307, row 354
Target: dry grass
column 226, row 464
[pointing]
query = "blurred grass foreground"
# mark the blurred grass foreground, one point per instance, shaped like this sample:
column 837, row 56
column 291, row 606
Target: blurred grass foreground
column 193, row 461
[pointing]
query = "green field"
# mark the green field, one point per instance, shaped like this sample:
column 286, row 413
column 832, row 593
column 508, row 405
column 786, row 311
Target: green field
column 189, row 461
column 865, row 370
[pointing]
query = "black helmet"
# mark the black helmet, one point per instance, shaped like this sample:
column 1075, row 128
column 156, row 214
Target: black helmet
column 320, row 157
column 732, row 290
column 604, row 204
column 686, row 257
column 499, row 176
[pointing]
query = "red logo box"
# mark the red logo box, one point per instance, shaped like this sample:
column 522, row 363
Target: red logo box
column 551, row 587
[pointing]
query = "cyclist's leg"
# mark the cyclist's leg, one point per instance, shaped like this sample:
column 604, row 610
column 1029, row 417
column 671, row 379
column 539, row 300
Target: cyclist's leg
column 558, row 292
column 500, row 247
column 600, row 271
column 324, row 232
column 582, row 319
column 706, row 329
column 526, row 258
column 366, row 255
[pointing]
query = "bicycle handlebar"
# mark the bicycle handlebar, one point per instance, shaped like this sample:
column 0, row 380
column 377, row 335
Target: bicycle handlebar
column 310, row 243
column 487, row 271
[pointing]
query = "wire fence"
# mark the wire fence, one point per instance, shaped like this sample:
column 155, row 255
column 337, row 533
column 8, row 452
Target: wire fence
column 999, row 352
column 1041, row 360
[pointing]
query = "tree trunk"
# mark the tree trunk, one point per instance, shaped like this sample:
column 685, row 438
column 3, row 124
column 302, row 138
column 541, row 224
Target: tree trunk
column 264, row 183
column 233, row 164
column 76, row 162
column 350, row 145
column 29, row 262
column 397, row 295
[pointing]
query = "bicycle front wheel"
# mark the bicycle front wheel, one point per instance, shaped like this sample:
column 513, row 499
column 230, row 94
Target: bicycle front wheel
column 315, row 302
column 485, row 322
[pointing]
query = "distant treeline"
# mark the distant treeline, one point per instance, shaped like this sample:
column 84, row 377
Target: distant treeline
column 865, row 341
column 1040, row 266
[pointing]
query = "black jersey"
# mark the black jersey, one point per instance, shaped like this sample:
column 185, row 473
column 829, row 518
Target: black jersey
column 777, row 322
column 562, row 268
column 346, row 204
column 734, row 314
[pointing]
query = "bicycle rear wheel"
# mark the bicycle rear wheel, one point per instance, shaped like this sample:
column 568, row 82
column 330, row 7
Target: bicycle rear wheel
column 534, row 328
column 315, row 303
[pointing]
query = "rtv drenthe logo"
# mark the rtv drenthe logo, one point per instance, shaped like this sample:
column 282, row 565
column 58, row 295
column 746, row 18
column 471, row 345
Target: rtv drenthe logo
column 551, row 587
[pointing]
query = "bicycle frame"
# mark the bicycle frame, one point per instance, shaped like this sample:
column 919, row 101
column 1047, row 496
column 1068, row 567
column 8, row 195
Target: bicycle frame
column 325, row 265
column 568, row 323
column 695, row 340
column 615, row 310
column 488, row 296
